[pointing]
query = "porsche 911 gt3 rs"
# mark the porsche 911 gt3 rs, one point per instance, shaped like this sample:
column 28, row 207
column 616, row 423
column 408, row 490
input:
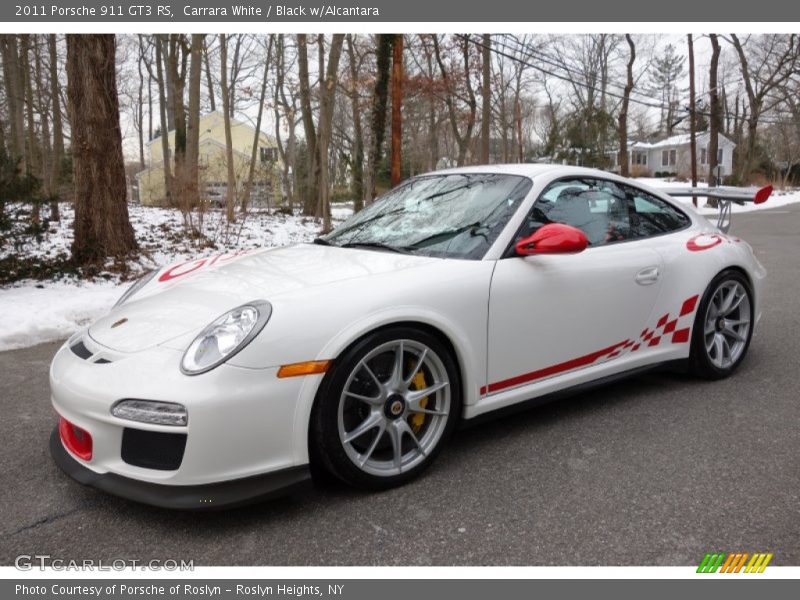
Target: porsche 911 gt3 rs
column 222, row 380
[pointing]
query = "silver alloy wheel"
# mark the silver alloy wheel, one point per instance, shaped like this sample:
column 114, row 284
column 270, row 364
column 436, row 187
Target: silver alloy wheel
column 388, row 422
column 727, row 324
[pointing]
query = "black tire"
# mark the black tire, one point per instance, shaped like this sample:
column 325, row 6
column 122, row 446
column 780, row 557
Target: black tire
column 700, row 362
column 326, row 448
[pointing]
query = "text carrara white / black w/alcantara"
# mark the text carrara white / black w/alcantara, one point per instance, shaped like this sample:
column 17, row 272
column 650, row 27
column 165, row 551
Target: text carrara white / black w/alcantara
column 225, row 379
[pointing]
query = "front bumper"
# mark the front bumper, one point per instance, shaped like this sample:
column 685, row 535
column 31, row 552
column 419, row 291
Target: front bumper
column 245, row 439
column 226, row 494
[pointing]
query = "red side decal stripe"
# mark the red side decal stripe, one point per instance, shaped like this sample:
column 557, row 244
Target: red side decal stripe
column 568, row 365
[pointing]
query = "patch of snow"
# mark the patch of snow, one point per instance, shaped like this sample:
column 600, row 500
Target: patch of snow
column 34, row 312
column 31, row 315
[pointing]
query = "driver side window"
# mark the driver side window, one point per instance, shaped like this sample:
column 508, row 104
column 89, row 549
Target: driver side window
column 596, row 207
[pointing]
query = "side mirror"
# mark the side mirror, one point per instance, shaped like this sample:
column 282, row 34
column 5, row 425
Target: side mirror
column 553, row 238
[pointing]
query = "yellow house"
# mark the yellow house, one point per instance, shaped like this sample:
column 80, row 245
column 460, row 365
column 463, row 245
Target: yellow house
column 213, row 164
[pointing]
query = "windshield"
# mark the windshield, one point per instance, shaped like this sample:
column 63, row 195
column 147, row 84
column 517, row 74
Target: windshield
column 452, row 216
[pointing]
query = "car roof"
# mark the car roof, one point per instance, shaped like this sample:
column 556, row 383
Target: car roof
column 524, row 170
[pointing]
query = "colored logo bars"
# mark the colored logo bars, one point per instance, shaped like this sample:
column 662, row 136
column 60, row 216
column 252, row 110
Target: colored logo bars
column 735, row 562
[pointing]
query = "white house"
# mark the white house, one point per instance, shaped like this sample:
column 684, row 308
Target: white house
column 673, row 155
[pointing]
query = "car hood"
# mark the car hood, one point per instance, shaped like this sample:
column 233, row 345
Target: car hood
column 187, row 296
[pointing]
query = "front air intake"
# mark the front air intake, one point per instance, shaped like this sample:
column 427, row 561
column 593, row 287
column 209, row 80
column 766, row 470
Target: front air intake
column 80, row 350
column 153, row 449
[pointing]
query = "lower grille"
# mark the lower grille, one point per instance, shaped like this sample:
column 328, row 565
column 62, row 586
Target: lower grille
column 153, row 449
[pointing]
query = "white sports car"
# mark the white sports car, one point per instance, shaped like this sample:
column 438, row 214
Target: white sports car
column 223, row 380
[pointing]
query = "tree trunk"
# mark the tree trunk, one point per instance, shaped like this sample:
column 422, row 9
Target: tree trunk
column 162, row 106
column 209, row 80
column 397, row 107
column 714, row 117
column 357, row 160
column 139, row 108
column 486, row 109
column 325, row 129
column 248, row 188
column 192, row 158
column 176, row 78
column 43, row 108
column 58, row 131
column 380, row 98
column 32, row 163
column 102, row 227
column 231, row 188
column 312, row 182
column 286, row 153
column 624, row 167
column 15, row 96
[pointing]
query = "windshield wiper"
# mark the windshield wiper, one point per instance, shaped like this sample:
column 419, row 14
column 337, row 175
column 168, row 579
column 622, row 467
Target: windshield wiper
column 448, row 233
column 376, row 246
column 322, row 242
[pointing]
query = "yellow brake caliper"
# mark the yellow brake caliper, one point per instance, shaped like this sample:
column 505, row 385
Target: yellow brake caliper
column 417, row 419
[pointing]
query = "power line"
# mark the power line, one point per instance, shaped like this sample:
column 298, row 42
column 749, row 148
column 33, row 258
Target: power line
column 649, row 103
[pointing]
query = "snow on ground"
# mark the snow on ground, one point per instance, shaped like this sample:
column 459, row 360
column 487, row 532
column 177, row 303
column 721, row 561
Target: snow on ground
column 33, row 312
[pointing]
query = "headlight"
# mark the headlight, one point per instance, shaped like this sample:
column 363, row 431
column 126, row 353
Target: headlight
column 137, row 285
column 225, row 337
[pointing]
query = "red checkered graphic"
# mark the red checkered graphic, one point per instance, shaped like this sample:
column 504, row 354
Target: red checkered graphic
column 666, row 326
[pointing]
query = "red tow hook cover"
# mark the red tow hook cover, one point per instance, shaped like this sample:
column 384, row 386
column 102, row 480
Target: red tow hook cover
column 76, row 440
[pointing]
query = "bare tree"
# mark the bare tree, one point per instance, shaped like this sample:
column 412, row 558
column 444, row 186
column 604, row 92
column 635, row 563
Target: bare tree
column 622, row 119
column 312, row 183
column 248, row 188
column 230, row 196
column 58, row 131
column 102, row 227
column 773, row 60
column 380, row 98
column 284, row 108
column 714, row 116
column 324, row 131
column 463, row 139
column 357, row 159
column 191, row 170
column 15, row 96
column 32, row 164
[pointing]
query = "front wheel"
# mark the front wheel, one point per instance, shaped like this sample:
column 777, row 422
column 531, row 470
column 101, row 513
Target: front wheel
column 386, row 409
column 723, row 326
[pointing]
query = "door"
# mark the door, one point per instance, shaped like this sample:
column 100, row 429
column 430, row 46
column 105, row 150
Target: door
column 555, row 314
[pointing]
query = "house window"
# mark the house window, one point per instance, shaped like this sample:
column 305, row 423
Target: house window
column 669, row 158
column 704, row 156
column 268, row 155
column 640, row 158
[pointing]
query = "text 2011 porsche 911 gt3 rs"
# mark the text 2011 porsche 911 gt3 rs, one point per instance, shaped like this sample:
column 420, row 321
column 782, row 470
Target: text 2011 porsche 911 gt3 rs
column 221, row 380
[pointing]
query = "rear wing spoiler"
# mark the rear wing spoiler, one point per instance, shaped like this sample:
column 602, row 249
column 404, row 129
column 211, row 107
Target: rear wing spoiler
column 724, row 196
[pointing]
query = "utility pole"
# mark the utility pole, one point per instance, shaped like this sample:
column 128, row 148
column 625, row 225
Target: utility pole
column 397, row 103
column 692, row 117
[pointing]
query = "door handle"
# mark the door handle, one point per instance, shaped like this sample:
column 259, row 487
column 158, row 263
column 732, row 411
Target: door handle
column 647, row 276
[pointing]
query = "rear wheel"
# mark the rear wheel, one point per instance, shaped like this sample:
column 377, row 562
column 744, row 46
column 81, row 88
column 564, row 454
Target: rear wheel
column 386, row 409
column 723, row 326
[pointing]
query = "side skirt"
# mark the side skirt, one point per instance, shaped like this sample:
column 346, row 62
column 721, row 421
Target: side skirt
column 568, row 392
